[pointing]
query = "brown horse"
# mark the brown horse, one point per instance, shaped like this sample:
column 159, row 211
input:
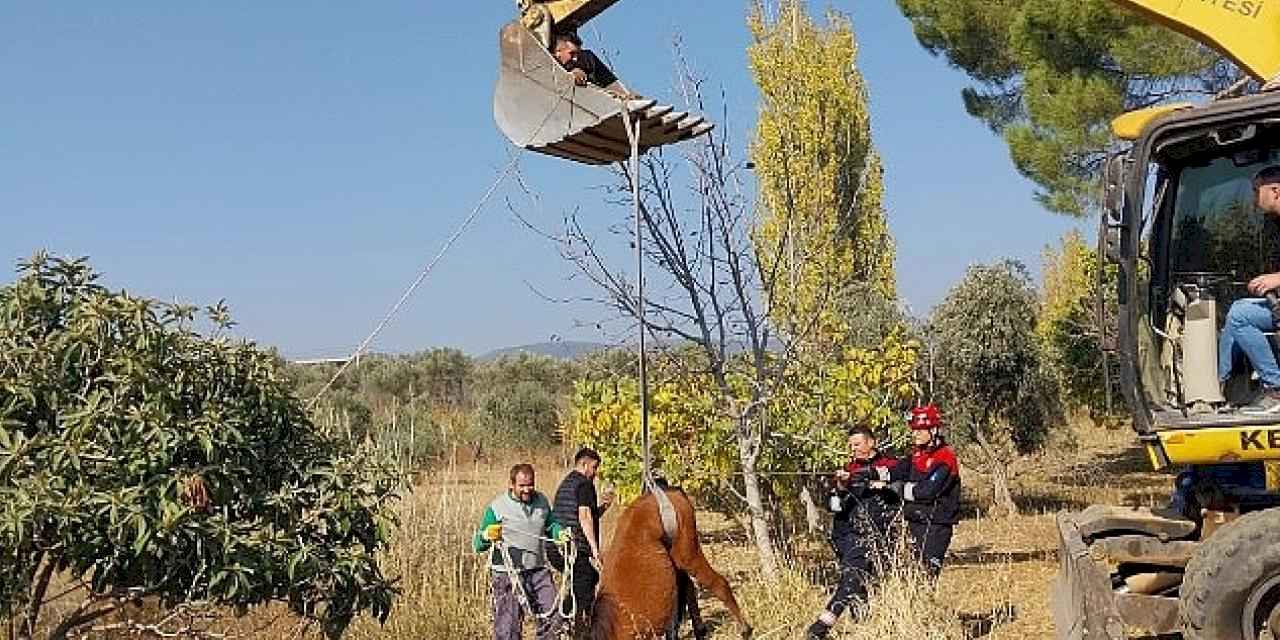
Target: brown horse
column 638, row 595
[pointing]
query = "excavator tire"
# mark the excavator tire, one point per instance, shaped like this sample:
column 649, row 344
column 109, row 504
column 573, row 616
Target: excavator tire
column 1234, row 575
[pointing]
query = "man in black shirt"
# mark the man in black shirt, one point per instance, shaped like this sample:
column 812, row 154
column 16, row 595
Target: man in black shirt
column 576, row 505
column 584, row 65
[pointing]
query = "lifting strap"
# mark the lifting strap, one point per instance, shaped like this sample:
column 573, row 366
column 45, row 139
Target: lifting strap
column 633, row 124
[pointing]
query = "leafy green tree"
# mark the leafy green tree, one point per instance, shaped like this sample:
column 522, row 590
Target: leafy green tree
column 140, row 460
column 519, row 401
column 524, row 414
column 993, row 383
column 694, row 440
column 1050, row 75
column 445, row 376
column 553, row 374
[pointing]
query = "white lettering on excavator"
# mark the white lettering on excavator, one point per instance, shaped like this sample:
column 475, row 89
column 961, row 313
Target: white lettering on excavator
column 1247, row 8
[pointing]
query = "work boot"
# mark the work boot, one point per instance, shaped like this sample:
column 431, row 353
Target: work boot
column 817, row 631
column 1266, row 404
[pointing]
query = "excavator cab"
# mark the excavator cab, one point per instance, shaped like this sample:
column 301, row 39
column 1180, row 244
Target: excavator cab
column 1183, row 227
column 1181, row 224
column 539, row 106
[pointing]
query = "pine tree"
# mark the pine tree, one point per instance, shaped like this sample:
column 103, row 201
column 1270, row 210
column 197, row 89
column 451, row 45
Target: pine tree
column 1051, row 74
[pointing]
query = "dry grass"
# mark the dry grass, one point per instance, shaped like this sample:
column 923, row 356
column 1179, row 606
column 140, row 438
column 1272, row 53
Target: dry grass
column 994, row 585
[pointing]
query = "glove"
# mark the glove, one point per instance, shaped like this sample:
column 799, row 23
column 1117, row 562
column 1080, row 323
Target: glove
column 565, row 534
column 492, row 533
column 835, row 503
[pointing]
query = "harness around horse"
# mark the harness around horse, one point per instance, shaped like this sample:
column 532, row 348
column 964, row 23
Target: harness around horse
column 667, row 512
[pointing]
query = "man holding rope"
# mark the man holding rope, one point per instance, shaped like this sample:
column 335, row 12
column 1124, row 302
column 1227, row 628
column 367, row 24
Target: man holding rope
column 860, row 525
column 515, row 525
column 578, row 507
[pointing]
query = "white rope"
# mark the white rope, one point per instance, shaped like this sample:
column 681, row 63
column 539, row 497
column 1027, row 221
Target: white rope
column 422, row 276
column 569, row 549
column 633, row 135
column 355, row 356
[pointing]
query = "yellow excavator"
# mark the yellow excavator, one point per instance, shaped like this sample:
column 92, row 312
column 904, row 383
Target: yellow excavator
column 1180, row 222
column 539, row 105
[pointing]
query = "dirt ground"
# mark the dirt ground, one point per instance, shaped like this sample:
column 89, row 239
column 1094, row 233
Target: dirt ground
column 1001, row 570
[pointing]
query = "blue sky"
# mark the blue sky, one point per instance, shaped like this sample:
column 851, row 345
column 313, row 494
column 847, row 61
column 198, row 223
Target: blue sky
column 304, row 160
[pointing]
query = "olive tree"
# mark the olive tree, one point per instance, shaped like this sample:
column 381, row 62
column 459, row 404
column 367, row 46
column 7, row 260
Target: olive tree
column 992, row 378
column 141, row 460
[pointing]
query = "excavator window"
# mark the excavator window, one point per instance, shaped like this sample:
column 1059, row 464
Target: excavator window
column 1206, row 240
column 1216, row 225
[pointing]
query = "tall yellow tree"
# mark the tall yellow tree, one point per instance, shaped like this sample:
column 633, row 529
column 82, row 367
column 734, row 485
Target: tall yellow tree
column 820, row 176
column 1071, row 326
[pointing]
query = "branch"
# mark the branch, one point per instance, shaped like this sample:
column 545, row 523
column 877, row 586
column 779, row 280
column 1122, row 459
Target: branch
column 83, row 615
column 43, row 575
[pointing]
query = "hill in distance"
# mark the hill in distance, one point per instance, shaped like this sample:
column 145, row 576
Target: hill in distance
column 561, row 349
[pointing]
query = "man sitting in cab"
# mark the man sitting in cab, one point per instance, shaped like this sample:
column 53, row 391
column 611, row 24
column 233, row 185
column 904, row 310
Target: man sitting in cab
column 1249, row 318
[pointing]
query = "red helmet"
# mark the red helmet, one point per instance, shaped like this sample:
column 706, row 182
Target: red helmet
column 926, row 417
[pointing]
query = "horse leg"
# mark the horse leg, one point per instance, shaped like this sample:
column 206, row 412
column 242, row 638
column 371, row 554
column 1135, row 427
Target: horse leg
column 689, row 595
column 687, row 555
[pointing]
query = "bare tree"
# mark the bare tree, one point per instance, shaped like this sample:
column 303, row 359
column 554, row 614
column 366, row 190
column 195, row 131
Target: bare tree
column 710, row 293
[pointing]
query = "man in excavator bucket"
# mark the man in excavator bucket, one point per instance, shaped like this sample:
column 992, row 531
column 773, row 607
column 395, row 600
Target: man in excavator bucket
column 584, row 64
column 554, row 97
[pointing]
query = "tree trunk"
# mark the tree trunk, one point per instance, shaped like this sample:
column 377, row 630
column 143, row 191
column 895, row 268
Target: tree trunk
column 755, row 504
column 41, row 577
column 1002, row 496
column 812, row 515
column 744, row 523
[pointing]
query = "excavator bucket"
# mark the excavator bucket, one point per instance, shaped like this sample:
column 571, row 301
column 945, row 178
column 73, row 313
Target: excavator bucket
column 1081, row 599
column 537, row 106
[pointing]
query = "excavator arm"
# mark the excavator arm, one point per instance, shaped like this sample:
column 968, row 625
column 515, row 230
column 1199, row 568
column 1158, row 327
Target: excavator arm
column 567, row 14
column 1247, row 31
column 545, row 17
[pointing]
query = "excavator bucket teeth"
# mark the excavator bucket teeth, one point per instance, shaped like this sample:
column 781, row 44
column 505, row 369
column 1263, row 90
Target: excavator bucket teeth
column 1082, row 600
column 537, row 106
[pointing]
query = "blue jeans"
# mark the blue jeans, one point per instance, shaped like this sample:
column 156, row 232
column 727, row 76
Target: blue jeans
column 1242, row 334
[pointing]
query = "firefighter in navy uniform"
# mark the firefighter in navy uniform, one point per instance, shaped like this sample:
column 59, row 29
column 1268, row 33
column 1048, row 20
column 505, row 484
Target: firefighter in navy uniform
column 860, row 523
column 929, row 484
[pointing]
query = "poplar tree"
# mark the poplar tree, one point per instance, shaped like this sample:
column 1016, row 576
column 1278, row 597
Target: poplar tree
column 820, row 177
column 1076, row 320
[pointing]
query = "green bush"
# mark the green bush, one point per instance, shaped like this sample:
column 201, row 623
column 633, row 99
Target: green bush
column 142, row 459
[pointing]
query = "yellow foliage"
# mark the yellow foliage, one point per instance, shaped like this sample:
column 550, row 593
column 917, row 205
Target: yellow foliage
column 1069, row 272
column 823, row 225
column 695, row 440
